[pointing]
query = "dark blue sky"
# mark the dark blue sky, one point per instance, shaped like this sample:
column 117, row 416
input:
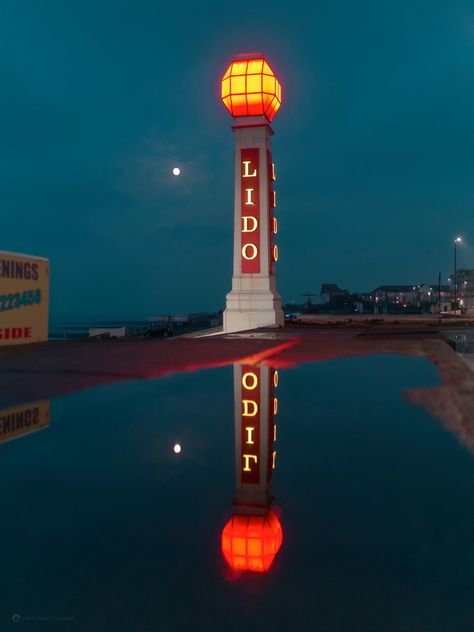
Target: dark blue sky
column 374, row 145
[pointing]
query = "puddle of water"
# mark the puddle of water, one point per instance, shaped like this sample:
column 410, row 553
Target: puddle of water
column 365, row 522
column 463, row 340
column 267, row 335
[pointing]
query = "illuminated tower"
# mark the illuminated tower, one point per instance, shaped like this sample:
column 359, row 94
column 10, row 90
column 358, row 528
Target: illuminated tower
column 253, row 535
column 252, row 94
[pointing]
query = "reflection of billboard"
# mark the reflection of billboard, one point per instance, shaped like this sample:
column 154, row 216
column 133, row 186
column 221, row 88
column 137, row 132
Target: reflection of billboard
column 24, row 298
column 22, row 420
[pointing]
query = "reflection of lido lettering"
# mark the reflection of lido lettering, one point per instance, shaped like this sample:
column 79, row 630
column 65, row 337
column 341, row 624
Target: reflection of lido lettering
column 247, row 458
column 249, row 408
column 249, row 430
column 275, row 411
column 250, row 411
column 249, row 381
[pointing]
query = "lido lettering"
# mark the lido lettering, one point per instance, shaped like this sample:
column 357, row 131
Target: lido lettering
column 250, row 211
column 250, row 429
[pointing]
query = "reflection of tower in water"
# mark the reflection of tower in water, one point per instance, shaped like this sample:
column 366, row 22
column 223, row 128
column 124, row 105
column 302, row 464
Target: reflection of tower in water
column 252, row 537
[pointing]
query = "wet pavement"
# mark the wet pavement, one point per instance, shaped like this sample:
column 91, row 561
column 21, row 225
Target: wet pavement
column 309, row 480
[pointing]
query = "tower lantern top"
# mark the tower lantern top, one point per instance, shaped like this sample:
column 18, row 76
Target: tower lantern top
column 250, row 87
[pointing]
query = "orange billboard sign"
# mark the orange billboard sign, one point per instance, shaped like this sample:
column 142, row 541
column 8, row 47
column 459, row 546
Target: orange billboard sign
column 24, row 298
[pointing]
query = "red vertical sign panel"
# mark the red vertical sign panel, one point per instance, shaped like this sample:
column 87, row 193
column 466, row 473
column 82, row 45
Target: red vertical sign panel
column 250, row 425
column 250, row 210
column 272, row 223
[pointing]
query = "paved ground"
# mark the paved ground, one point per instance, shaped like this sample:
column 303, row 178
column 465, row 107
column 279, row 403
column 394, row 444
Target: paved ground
column 78, row 362
column 48, row 370
column 435, row 320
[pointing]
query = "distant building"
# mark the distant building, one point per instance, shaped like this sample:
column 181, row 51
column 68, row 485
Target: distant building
column 423, row 297
column 444, row 291
column 405, row 294
column 424, row 293
column 401, row 294
column 330, row 291
column 465, row 290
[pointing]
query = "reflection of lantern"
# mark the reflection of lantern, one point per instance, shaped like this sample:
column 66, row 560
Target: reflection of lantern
column 250, row 88
column 250, row 543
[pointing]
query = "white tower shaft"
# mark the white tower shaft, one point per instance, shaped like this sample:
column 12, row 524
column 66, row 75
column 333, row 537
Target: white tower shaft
column 253, row 301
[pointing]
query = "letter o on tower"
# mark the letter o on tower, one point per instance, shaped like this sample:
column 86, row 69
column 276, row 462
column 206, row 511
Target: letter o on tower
column 249, row 252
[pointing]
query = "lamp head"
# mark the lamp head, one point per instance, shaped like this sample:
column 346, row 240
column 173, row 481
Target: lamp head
column 250, row 87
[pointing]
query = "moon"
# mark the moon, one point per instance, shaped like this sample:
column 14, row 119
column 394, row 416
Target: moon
column 176, row 171
column 176, row 448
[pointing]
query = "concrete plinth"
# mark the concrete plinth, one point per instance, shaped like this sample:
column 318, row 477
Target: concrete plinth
column 252, row 307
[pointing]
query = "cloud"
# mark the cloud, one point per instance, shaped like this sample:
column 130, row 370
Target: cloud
column 146, row 176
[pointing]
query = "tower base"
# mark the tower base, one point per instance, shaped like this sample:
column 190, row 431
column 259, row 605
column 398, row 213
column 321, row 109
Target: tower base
column 251, row 309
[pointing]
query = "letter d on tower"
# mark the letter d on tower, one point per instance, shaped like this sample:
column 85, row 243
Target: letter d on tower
column 252, row 94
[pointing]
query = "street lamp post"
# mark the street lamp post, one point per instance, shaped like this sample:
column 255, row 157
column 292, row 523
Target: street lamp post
column 456, row 242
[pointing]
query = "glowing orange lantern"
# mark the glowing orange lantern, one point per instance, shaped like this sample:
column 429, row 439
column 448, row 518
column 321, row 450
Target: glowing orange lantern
column 250, row 88
column 250, row 543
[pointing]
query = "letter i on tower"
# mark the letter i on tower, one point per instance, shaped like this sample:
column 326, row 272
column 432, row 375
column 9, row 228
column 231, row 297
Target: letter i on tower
column 252, row 94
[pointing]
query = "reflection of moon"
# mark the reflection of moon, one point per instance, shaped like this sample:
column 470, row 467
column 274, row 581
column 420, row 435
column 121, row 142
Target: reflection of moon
column 176, row 171
column 176, row 448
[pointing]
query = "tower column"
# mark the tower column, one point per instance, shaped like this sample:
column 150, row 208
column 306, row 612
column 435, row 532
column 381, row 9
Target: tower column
column 253, row 300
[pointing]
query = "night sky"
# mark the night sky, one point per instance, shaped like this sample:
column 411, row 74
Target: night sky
column 374, row 145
